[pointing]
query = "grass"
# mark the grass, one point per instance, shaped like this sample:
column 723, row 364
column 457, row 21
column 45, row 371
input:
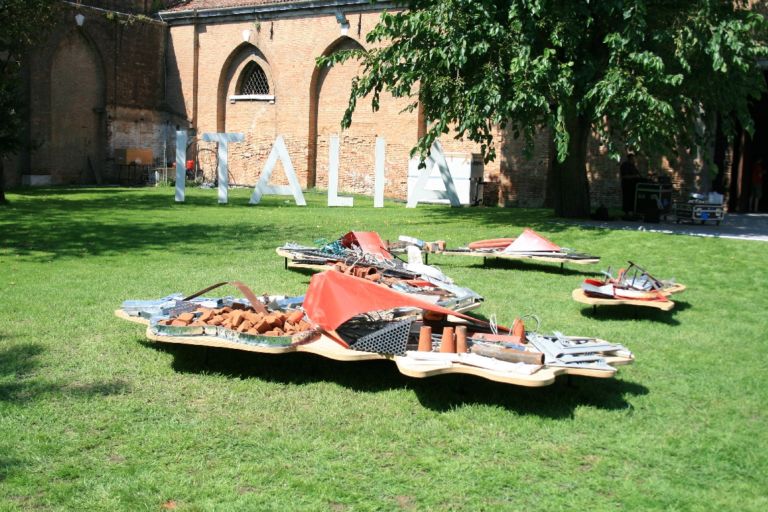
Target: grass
column 93, row 417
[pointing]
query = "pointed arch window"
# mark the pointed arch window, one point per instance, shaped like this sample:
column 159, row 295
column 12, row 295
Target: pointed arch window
column 254, row 81
column 253, row 84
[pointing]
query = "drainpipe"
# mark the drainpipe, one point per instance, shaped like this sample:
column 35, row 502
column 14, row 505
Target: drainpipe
column 195, row 71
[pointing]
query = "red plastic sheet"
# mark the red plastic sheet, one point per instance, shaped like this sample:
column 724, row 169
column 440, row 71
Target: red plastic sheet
column 369, row 241
column 333, row 298
column 531, row 241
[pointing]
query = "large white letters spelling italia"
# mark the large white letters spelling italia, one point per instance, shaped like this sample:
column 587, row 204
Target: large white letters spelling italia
column 420, row 192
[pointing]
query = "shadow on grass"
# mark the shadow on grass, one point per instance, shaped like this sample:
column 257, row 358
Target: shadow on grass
column 559, row 400
column 89, row 221
column 19, row 360
column 441, row 393
column 7, row 465
column 509, row 221
column 529, row 266
column 53, row 223
column 622, row 312
column 63, row 199
column 18, row 365
column 308, row 272
column 93, row 238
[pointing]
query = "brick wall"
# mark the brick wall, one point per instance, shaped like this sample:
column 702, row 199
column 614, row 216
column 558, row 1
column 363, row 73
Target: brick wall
column 685, row 169
column 308, row 106
column 144, row 85
column 94, row 89
column 309, row 103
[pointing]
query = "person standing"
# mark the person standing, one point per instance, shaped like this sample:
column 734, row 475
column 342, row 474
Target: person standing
column 630, row 177
column 756, row 193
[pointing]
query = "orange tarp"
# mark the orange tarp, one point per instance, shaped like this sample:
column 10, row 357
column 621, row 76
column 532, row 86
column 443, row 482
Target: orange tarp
column 531, row 241
column 333, row 298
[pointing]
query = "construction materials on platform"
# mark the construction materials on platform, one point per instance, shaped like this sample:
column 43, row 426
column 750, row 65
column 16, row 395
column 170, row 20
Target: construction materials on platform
column 448, row 341
column 504, row 353
column 391, row 339
column 364, row 254
column 491, row 244
column 404, row 241
column 425, row 339
column 268, row 320
column 574, row 352
column 529, row 245
column 632, row 286
column 579, row 295
column 461, row 339
column 247, row 320
column 348, row 318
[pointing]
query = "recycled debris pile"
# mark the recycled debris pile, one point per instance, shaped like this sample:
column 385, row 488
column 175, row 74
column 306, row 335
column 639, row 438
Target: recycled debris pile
column 246, row 321
column 364, row 254
column 529, row 245
column 348, row 318
column 632, row 286
column 355, row 248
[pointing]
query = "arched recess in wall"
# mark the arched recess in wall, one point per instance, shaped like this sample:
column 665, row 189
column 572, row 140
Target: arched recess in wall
column 77, row 115
column 319, row 79
column 246, row 91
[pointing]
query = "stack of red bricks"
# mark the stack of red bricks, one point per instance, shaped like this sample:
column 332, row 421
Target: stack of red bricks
column 243, row 320
column 361, row 271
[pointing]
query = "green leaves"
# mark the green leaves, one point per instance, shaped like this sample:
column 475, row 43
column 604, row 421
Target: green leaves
column 639, row 71
column 22, row 23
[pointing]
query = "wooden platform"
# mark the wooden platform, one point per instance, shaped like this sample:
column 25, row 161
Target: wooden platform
column 509, row 256
column 409, row 366
column 291, row 263
column 545, row 376
column 119, row 313
column 675, row 288
column 579, row 296
column 291, row 256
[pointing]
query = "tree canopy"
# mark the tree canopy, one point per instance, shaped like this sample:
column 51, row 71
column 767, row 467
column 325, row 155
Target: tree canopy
column 640, row 74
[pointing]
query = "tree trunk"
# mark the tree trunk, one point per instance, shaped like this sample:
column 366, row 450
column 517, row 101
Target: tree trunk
column 570, row 187
column 550, row 189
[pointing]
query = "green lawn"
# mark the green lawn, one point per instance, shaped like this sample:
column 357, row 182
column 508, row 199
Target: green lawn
column 93, row 417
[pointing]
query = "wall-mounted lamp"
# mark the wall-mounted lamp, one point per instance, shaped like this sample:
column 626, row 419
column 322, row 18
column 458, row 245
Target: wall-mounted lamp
column 246, row 35
column 79, row 19
column 342, row 20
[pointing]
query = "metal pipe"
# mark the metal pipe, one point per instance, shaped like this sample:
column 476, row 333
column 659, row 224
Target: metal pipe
column 507, row 354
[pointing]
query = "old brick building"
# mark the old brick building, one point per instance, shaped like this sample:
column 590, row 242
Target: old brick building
column 217, row 54
column 217, row 44
column 95, row 87
column 122, row 81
